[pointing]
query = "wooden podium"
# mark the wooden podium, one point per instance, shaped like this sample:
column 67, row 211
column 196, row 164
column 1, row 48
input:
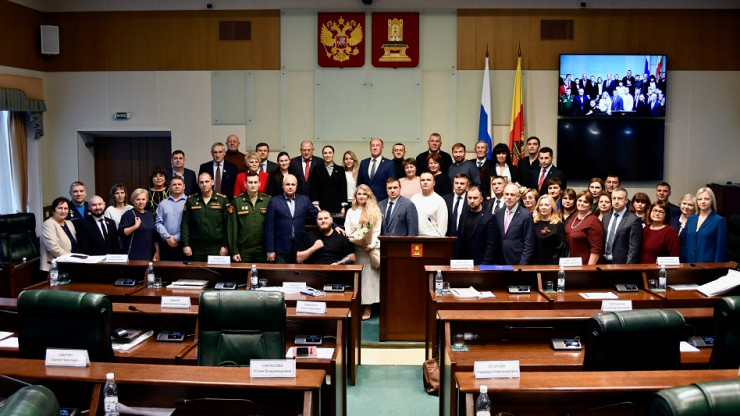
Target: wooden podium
column 403, row 283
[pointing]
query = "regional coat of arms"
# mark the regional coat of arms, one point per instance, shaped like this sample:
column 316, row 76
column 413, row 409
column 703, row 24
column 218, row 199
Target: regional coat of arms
column 338, row 44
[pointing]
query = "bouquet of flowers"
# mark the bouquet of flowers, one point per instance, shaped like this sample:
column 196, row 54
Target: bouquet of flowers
column 361, row 235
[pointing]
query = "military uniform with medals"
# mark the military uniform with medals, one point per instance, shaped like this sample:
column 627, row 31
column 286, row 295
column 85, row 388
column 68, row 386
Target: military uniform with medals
column 247, row 228
column 204, row 225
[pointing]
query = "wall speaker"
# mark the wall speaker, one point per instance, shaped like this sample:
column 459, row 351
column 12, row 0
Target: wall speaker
column 49, row 40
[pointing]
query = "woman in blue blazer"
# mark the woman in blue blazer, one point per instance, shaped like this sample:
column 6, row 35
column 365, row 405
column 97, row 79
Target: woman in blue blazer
column 704, row 238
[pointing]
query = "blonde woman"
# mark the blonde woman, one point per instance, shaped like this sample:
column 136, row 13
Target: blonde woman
column 529, row 200
column 137, row 229
column 704, row 238
column 688, row 208
column 351, row 167
column 252, row 160
column 550, row 243
column 365, row 213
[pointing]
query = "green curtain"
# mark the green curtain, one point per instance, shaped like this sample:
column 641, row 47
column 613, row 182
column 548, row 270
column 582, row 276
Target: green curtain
column 16, row 101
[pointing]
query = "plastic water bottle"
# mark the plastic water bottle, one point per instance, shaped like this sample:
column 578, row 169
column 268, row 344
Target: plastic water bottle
column 150, row 275
column 483, row 403
column 110, row 394
column 438, row 283
column 561, row 279
column 54, row 273
column 662, row 277
column 254, row 278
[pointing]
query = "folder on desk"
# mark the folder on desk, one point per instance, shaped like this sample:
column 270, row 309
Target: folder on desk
column 722, row 285
column 465, row 293
column 188, row 284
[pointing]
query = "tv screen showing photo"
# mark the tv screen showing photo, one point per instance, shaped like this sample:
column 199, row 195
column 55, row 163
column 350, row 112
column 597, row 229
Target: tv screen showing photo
column 612, row 85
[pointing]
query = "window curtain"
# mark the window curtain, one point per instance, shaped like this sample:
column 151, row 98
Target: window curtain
column 19, row 155
column 15, row 100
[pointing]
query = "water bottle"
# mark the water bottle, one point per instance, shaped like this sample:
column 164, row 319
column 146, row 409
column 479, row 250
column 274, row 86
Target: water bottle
column 150, row 275
column 662, row 276
column 110, row 394
column 53, row 273
column 561, row 279
column 438, row 283
column 254, row 278
column 483, row 403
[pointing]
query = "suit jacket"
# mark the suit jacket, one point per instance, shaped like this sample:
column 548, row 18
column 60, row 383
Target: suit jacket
column 191, row 181
column 271, row 166
column 90, row 239
column 517, row 243
column 296, row 168
column 279, row 223
column 450, row 202
column 74, row 215
column 534, row 178
column 486, row 172
column 329, row 191
column 526, row 168
column 708, row 244
column 482, row 242
column 385, row 170
column 423, row 166
column 627, row 237
column 228, row 177
column 54, row 241
column 404, row 218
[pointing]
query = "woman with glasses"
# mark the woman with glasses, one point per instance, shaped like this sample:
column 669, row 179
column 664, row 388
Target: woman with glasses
column 658, row 238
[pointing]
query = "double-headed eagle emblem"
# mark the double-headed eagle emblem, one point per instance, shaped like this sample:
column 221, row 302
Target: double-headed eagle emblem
column 339, row 45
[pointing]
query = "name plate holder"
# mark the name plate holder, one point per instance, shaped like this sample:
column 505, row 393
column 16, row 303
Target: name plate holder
column 219, row 260
column 58, row 357
column 316, row 308
column 616, row 305
column 272, row 369
column 116, row 258
column 496, row 369
column 175, row 302
column 669, row 261
column 571, row 262
column 462, row 264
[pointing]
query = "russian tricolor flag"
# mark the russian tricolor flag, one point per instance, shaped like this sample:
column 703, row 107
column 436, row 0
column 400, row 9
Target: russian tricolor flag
column 484, row 125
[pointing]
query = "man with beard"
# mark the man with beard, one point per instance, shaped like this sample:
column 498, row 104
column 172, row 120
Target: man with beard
column 96, row 235
column 324, row 246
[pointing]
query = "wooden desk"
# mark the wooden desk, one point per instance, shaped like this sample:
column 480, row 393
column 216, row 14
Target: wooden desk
column 161, row 385
column 700, row 274
column 566, row 392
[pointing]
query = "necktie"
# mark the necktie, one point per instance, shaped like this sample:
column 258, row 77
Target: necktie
column 388, row 213
column 103, row 229
column 610, row 235
column 507, row 220
column 308, row 168
column 372, row 169
column 218, row 177
column 454, row 214
column 480, row 164
column 496, row 206
column 542, row 177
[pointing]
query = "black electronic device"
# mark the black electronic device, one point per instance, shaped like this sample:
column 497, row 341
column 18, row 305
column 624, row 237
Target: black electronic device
column 125, row 282
column 225, row 286
column 305, row 352
column 519, row 289
column 333, row 287
column 308, row 339
column 559, row 344
column 701, row 342
column 626, row 287
column 171, row 336
column 69, row 411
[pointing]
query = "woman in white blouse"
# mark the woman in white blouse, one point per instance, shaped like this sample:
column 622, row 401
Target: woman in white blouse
column 117, row 205
column 351, row 167
column 58, row 236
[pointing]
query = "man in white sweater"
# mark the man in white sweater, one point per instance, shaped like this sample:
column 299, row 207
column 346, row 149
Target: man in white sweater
column 431, row 208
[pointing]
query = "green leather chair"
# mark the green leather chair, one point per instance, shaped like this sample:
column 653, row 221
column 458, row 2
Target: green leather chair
column 715, row 398
column 31, row 401
column 236, row 326
column 643, row 339
column 726, row 350
column 64, row 319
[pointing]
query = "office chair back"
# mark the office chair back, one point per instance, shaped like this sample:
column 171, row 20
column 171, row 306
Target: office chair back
column 644, row 339
column 715, row 398
column 31, row 401
column 18, row 237
column 64, row 319
column 237, row 326
column 726, row 350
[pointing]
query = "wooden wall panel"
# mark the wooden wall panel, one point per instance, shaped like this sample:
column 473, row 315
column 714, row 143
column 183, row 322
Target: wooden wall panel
column 19, row 31
column 692, row 39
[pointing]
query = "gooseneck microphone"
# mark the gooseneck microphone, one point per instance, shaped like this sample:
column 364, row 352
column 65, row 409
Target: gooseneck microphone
column 398, row 219
column 434, row 226
column 189, row 263
column 133, row 308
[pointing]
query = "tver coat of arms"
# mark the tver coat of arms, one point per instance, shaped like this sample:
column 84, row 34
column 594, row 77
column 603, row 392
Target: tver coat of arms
column 340, row 39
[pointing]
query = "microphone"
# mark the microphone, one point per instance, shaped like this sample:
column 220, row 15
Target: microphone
column 298, row 272
column 8, row 311
column 699, row 266
column 512, row 328
column 183, row 401
column 434, row 226
column 398, row 219
column 189, row 263
column 133, row 308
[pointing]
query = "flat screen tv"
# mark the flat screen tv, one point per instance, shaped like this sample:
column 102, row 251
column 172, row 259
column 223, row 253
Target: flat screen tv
column 612, row 85
column 596, row 147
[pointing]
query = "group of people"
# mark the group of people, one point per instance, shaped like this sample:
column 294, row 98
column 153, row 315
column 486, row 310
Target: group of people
column 500, row 212
column 596, row 96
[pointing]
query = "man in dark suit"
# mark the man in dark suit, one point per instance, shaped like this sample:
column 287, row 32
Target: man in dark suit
column 435, row 144
column 400, row 217
column 538, row 178
column 302, row 166
column 179, row 169
column 266, row 165
column 219, row 166
column 399, row 155
column 456, row 203
column 515, row 229
column 580, row 103
column 622, row 232
column 617, row 103
column 662, row 193
column 609, row 84
column 78, row 207
column 485, row 168
column 530, row 161
column 96, row 235
column 375, row 170
column 477, row 231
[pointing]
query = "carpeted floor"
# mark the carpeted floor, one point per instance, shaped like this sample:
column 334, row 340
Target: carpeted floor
column 390, row 390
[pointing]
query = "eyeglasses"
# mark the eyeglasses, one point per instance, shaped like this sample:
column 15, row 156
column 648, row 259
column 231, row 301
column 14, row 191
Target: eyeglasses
column 658, row 211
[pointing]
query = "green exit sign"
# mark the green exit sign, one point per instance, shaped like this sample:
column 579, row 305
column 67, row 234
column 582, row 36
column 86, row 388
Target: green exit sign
column 121, row 116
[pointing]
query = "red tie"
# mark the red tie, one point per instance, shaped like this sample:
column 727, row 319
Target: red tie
column 308, row 168
column 542, row 177
column 218, row 177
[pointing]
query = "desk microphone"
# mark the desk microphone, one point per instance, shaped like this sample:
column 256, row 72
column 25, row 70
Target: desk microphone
column 183, row 401
column 8, row 311
column 699, row 266
column 434, row 226
column 189, row 263
column 298, row 272
column 512, row 328
column 133, row 308
column 398, row 219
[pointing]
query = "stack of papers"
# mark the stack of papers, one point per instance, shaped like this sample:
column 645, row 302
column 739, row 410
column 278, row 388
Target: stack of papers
column 722, row 285
column 79, row 258
column 188, row 284
column 465, row 293
column 134, row 342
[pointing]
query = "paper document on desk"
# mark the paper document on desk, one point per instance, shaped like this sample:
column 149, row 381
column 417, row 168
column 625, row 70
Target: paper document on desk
column 79, row 258
column 722, row 285
column 599, row 295
column 188, row 284
column 686, row 347
column 465, row 293
column 321, row 353
column 5, row 334
column 10, row 342
column 687, row 286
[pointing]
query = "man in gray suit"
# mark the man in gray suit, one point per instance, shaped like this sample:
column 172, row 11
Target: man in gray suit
column 400, row 217
column 515, row 229
column 622, row 232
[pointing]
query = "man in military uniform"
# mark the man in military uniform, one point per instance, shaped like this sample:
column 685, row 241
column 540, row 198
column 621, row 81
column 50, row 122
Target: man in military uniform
column 205, row 221
column 247, row 223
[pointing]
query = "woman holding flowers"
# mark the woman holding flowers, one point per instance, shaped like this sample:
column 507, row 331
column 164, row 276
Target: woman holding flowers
column 362, row 224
